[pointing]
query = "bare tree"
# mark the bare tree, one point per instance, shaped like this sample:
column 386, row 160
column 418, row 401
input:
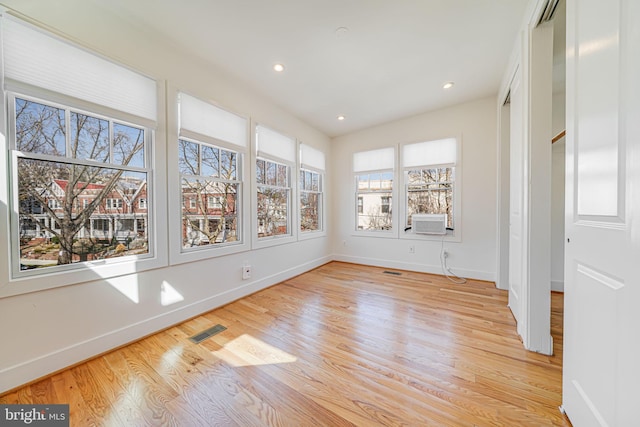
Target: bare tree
column 214, row 198
column 57, row 186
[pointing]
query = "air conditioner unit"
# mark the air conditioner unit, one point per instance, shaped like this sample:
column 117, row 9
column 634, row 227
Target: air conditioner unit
column 429, row 223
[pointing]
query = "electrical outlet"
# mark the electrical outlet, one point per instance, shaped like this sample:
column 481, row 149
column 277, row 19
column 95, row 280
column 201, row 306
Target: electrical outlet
column 246, row 272
column 412, row 249
column 445, row 254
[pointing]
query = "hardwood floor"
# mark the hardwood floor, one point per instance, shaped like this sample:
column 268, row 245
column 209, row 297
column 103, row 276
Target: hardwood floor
column 338, row 346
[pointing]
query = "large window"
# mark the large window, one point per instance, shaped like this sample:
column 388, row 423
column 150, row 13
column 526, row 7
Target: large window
column 274, row 193
column 211, row 146
column 79, row 139
column 374, row 189
column 310, row 200
column 312, row 166
column 210, row 184
column 430, row 179
column 78, row 176
column 275, row 160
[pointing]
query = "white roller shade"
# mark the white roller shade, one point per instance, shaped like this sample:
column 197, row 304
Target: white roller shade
column 40, row 59
column 438, row 152
column 312, row 158
column 373, row 160
column 206, row 119
column 274, row 144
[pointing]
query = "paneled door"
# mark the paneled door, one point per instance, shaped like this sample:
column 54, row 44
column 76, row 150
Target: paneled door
column 601, row 378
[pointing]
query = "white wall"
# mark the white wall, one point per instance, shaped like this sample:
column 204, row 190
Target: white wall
column 474, row 255
column 48, row 330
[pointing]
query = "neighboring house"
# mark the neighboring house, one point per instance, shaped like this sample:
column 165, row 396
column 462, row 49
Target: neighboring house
column 121, row 214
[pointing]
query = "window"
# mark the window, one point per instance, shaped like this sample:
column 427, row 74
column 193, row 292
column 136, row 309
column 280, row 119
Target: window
column 374, row 187
column 114, row 204
column 310, row 200
column 54, row 204
column 98, row 157
column 214, row 202
column 209, row 181
column 210, row 156
column 384, row 204
column 275, row 159
column 142, row 203
column 429, row 176
column 312, row 165
column 78, row 132
column 274, row 193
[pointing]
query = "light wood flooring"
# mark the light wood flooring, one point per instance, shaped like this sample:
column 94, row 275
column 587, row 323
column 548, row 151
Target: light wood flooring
column 340, row 345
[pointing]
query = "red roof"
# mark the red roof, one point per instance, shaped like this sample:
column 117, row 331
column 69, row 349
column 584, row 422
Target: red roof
column 62, row 183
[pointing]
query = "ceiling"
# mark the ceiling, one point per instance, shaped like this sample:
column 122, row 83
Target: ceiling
column 391, row 62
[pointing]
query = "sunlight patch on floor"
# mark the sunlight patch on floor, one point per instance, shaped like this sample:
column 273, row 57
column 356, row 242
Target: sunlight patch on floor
column 249, row 351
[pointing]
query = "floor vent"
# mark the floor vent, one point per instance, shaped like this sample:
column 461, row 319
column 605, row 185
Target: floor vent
column 201, row 336
column 393, row 273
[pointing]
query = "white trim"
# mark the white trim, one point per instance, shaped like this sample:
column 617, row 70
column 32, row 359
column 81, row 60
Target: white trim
column 30, row 370
column 29, row 281
column 176, row 252
column 409, row 266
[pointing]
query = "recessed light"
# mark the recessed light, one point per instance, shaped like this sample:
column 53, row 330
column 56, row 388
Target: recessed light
column 447, row 85
column 341, row 118
column 278, row 67
column 341, row 32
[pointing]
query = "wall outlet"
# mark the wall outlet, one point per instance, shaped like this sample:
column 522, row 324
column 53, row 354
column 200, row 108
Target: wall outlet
column 412, row 249
column 445, row 254
column 246, row 272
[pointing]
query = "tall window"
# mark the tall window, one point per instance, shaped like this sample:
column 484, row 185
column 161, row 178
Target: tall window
column 429, row 175
column 275, row 159
column 312, row 163
column 210, row 173
column 65, row 156
column 374, row 187
column 79, row 133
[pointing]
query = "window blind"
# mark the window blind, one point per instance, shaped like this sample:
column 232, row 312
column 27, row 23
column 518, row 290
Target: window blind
column 373, row 160
column 272, row 143
column 311, row 157
column 437, row 152
column 38, row 58
column 207, row 119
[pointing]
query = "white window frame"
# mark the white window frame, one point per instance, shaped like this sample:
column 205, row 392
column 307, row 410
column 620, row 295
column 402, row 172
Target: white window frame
column 203, row 126
column 142, row 203
column 193, row 200
column 313, row 160
column 83, row 270
column 44, row 72
column 114, row 203
column 377, row 161
column 443, row 161
column 281, row 149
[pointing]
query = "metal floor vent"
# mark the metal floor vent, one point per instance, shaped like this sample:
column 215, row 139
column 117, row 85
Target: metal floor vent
column 394, row 273
column 201, row 336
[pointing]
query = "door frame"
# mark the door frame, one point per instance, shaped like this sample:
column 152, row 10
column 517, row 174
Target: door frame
column 532, row 53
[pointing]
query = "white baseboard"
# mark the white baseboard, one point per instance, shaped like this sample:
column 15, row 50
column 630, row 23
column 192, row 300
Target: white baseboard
column 421, row 268
column 30, row 370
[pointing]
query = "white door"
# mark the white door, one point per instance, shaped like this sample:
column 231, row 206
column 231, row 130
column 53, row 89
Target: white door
column 601, row 378
column 516, row 222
